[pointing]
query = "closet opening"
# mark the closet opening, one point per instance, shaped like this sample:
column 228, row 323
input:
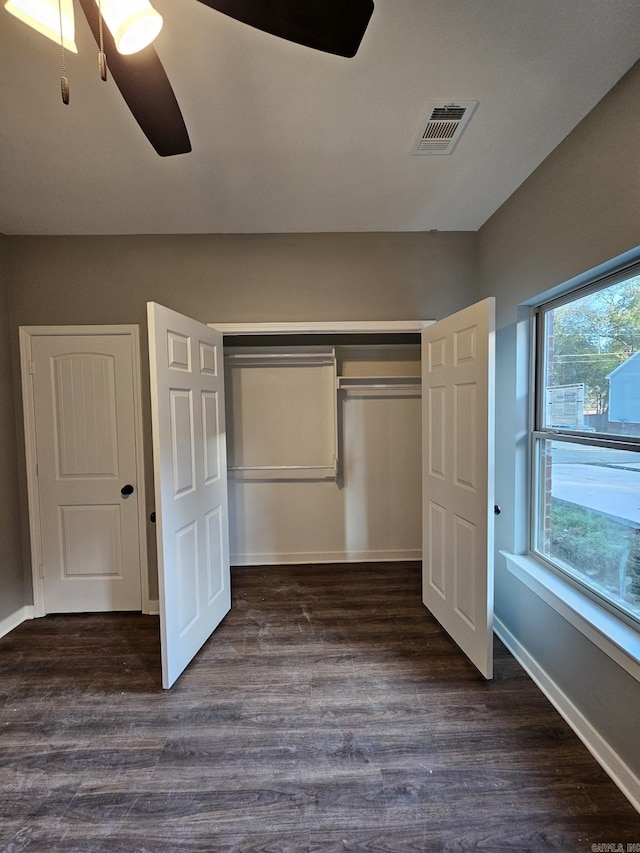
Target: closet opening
column 324, row 446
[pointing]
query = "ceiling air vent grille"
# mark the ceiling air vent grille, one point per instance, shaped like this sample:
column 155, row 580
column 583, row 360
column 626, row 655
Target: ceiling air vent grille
column 442, row 126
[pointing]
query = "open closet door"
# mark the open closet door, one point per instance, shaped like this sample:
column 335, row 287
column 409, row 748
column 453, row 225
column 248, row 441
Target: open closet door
column 190, row 469
column 458, row 503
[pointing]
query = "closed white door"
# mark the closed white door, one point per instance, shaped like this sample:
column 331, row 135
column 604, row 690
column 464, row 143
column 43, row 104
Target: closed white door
column 190, row 468
column 458, row 503
column 83, row 394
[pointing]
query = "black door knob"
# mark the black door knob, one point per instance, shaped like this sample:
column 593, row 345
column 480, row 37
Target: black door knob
column 127, row 490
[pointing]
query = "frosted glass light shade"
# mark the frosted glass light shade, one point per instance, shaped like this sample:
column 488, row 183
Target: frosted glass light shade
column 44, row 16
column 133, row 23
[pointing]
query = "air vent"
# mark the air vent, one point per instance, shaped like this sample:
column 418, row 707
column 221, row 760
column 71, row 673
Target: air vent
column 442, row 126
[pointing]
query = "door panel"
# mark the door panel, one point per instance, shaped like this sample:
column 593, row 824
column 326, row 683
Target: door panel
column 187, row 396
column 85, row 438
column 458, row 391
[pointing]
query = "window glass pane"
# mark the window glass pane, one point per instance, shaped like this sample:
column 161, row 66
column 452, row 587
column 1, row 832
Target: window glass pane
column 588, row 518
column 591, row 375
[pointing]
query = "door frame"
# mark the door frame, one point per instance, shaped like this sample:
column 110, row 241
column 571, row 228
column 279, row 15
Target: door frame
column 27, row 333
column 397, row 326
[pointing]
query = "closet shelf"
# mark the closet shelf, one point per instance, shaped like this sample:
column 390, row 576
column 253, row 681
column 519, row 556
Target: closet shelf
column 275, row 356
column 283, row 472
column 379, row 383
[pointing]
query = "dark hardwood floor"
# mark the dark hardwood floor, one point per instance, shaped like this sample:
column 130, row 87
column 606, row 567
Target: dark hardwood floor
column 328, row 713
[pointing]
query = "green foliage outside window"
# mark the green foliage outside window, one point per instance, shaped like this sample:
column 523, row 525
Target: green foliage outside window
column 600, row 548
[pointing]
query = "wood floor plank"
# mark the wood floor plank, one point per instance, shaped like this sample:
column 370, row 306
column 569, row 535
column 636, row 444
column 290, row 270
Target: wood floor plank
column 329, row 712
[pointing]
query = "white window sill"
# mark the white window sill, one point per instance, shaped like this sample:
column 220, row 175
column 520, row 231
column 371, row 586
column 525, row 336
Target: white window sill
column 614, row 637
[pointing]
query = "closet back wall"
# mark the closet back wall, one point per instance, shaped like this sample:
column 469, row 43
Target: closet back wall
column 234, row 278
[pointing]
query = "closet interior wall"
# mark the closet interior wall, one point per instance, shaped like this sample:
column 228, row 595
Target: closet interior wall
column 324, row 448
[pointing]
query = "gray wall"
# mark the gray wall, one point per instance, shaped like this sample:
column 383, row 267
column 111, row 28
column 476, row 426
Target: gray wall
column 248, row 278
column 578, row 210
column 12, row 588
column 242, row 277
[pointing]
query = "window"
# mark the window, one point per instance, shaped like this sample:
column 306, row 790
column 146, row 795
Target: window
column 586, row 440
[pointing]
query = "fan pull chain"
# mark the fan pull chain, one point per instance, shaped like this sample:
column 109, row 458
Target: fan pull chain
column 102, row 57
column 64, row 81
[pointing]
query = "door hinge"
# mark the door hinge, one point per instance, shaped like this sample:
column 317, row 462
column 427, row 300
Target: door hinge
column 41, row 570
column 31, row 368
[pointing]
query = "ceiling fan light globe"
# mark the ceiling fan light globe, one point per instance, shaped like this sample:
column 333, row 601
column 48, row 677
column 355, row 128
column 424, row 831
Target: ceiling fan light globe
column 140, row 32
column 44, row 17
column 134, row 24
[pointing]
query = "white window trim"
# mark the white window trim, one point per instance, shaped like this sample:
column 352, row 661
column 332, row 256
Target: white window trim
column 617, row 639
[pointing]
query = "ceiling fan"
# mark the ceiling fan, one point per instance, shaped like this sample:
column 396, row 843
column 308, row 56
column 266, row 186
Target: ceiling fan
column 332, row 26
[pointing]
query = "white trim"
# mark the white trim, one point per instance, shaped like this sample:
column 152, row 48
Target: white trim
column 140, row 471
column 313, row 557
column 323, row 328
column 153, row 608
column 614, row 637
column 50, row 331
column 16, row 618
column 26, row 333
column 28, row 410
column 604, row 754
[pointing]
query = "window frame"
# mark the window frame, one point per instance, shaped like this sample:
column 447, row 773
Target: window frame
column 539, row 433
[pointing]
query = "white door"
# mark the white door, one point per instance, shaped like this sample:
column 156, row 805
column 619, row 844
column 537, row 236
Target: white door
column 190, row 467
column 458, row 504
column 85, row 435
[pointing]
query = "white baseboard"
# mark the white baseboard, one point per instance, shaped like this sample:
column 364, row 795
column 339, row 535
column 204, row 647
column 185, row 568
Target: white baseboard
column 17, row 618
column 28, row 612
column 313, row 557
column 606, row 757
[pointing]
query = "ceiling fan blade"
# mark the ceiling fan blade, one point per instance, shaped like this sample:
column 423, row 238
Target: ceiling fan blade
column 146, row 89
column 334, row 26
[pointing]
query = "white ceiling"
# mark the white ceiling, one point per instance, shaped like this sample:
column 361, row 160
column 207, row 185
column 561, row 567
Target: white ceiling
column 287, row 139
